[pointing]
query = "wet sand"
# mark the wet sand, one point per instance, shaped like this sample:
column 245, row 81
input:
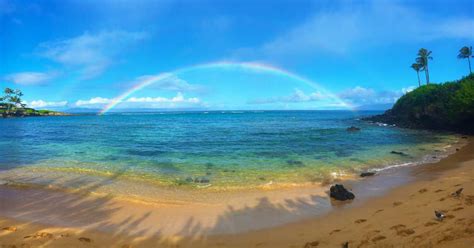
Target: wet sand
column 394, row 209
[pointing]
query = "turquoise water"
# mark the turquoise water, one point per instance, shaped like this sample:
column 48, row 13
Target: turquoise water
column 218, row 149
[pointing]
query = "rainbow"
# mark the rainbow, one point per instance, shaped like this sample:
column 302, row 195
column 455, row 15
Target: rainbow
column 256, row 67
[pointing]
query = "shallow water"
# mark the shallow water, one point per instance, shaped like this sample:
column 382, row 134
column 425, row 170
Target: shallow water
column 213, row 149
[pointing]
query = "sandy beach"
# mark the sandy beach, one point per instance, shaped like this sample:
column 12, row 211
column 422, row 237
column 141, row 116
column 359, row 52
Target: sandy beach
column 393, row 209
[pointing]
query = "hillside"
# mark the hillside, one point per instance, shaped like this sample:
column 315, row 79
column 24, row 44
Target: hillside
column 448, row 106
column 25, row 112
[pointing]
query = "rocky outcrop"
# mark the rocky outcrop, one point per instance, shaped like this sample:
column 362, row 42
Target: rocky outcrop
column 340, row 193
column 353, row 129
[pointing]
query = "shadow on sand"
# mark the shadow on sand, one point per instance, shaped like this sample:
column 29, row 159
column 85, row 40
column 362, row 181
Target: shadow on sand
column 92, row 213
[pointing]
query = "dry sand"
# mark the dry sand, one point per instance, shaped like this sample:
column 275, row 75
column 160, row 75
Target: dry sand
column 301, row 217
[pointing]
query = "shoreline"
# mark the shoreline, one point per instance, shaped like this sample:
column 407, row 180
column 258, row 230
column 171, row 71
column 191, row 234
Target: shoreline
column 249, row 218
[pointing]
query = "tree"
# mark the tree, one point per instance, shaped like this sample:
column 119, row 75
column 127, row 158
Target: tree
column 466, row 53
column 12, row 98
column 417, row 68
column 424, row 55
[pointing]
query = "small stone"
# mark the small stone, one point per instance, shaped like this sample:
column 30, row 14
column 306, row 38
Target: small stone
column 84, row 239
column 367, row 174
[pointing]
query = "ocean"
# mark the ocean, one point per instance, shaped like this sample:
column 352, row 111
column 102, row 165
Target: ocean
column 214, row 149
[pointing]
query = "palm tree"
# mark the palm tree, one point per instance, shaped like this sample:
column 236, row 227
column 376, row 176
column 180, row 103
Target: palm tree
column 466, row 53
column 417, row 68
column 423, row 57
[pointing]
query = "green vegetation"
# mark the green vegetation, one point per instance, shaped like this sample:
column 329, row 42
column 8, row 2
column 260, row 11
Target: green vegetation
column 446, row 106
column 11, row 105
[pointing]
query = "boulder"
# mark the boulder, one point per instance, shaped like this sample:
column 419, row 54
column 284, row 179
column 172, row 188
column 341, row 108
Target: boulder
column 201, row 180
column 353, row 129
column 340, row 193
column 399, row 153
column 367, row 174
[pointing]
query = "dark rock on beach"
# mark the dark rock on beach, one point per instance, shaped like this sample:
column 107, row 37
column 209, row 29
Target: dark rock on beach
column 201, row 180
column 367, row 174
column 399, row 153
column 340, row 193
column 353, row 129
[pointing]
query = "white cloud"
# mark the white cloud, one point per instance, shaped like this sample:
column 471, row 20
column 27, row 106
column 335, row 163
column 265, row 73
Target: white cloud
column 358, row 95
column 93, row 101
column 31, row 78
column 90, row 53
column 356, row 26
column 297, row 96
column 44, row 104
column 142, row 102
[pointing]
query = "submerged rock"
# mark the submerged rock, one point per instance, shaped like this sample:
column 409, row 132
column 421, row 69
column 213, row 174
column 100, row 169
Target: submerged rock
column 201, row 180
column 367, row 174
column 399, row 153
column 353, row 129
column 295, row 163
column 340, row 193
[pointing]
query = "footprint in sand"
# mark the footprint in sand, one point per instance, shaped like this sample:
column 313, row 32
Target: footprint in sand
column 378, row 238
column 334, row 231
column 10, row 228
column 397, row 204
column 442, row 198
column 378, row 211
column 431, row 223
column 469, row 200
column 458, row 208
column 449, row 216
column 85, row 240
column 402, row 230
column 439, row 190
column 421, row 191
column 311, row 244
column 360, row 221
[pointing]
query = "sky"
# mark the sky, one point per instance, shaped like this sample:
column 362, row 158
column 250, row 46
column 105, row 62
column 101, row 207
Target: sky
column 217, row 55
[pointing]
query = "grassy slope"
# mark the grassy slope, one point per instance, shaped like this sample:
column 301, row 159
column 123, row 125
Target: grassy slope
column 19, row 112
column 446, row 106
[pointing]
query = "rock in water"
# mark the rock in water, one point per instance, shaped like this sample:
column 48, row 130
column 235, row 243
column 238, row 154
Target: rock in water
column 352, row 129
column 367, row 174
column 340, row 193
column 398, row 153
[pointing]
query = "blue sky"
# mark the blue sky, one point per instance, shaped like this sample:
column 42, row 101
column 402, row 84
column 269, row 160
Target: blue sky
column 322, row 54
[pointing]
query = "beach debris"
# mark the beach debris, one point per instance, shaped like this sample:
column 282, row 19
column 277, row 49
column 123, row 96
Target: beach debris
column 367, row 174
column 345, row 245
column 353, row 129
column 457, row 193
column 399, row 153
column 85, row 240
column 311, row 244
column 439, row 215
column 340, row 193
column 10, row 228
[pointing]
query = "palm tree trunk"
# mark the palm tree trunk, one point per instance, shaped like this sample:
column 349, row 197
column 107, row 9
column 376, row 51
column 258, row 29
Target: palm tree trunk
column 418, row 74
column 427, row 74
column 469, row 60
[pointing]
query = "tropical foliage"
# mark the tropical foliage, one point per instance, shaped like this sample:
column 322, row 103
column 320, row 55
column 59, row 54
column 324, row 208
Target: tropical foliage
column 446, row 106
